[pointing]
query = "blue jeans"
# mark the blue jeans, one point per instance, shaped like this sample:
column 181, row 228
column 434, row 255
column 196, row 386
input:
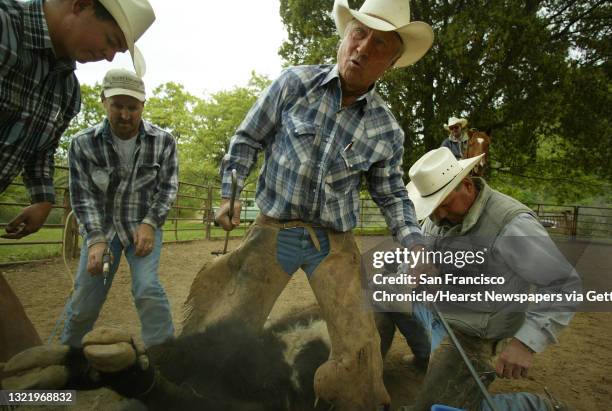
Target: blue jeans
column 518, row 401
column 149, row 296
column 294, row 249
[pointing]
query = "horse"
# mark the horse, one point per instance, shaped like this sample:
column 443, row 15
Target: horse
column 478, row 143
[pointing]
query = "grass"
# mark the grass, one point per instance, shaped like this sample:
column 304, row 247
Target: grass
column 25, row 251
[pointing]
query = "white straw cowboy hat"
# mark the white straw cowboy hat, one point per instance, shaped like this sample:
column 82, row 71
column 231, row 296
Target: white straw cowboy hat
column 454, row 120
column 133, row 17
column 434, row 176
column 389, row 15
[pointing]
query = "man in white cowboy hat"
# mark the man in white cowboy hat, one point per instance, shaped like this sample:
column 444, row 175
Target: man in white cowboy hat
column 457, row 136
column 321, row 129
column 458, row 208
column 40, row 42
column 123, row 181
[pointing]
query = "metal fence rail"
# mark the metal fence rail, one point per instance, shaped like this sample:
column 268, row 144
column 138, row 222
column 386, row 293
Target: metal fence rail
column 192, row 218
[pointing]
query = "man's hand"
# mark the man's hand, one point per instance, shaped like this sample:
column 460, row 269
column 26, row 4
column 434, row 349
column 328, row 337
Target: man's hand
column 28, row 221
column 144, row 238
column 222, row 216
column 514, row 361
column 94, row 258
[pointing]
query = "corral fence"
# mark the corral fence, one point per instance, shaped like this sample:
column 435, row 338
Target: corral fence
column 192, row 218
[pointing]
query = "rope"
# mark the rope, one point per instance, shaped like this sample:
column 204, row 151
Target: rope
column 62, row 316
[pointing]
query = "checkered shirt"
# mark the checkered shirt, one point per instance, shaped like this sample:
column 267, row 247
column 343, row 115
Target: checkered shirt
column 39, row 95
column 109, row 198
column 316, row 153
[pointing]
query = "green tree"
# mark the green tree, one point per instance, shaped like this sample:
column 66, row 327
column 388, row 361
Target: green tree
column 92, row 112
column 513, row 67
column 219, row 117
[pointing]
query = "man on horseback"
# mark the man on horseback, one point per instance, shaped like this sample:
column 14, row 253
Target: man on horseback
column 457, row 140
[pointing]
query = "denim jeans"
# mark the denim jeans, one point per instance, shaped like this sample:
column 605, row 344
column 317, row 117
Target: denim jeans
column 518, row 401
column 294, row 249
column 149, row 296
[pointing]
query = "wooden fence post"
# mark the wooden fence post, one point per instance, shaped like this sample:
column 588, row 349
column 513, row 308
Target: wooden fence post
column 574, row 231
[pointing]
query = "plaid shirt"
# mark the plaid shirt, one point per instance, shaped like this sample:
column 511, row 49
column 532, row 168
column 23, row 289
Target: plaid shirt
column 108, row 198
column 316, row 153
column 39, row 95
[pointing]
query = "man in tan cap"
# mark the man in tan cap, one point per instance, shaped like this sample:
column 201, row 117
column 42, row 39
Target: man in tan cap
column 498, row 338
column 123, row 180
column 457, row 139
column 40, row 42
column 321, row 128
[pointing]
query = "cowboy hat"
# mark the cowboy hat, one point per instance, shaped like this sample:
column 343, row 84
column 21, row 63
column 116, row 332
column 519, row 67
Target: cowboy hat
column 133, row 17
column 389, row 15
column 434, row 176
column 454, row 120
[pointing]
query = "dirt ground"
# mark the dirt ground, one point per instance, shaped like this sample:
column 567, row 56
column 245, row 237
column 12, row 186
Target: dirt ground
column 578, row 369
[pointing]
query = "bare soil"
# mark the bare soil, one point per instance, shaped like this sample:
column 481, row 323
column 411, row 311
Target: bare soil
column 578, row 369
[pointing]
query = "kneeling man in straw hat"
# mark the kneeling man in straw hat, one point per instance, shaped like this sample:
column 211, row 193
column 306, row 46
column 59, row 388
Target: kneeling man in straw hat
column 321, row 128
column 498, row 340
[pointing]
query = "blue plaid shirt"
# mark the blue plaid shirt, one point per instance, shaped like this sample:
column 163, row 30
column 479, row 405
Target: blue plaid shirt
column 39, row 95
column 316, row 153
column 109, row 198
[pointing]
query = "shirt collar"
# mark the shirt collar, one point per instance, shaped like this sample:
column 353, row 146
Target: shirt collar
column 367, row 97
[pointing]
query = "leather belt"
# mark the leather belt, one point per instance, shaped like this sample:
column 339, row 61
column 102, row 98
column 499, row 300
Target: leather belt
column 287, row 224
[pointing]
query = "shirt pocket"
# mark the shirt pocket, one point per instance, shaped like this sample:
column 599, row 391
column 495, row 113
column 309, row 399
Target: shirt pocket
column 345, row 172
column 101, row 178
column 299, row 141
column 292, row 154
column 146, row 177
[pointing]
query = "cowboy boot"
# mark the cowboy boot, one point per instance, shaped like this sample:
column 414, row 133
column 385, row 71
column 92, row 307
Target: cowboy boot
column 243, row 284
column 352, row 377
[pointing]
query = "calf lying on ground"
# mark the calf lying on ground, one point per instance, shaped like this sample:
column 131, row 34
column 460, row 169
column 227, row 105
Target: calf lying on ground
column 226, row 367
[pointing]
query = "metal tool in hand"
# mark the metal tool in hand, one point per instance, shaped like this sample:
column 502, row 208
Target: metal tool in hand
column 230, row 213
column 464, row 357
column 106, row 260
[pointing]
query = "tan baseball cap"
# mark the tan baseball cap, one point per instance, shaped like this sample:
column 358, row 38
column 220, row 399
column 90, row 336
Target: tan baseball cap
column 121, row 82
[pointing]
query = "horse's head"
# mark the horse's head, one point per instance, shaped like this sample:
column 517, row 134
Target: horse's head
column 478, row 143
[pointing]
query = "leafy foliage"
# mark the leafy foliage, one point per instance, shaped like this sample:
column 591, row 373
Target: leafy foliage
column 535, row 72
